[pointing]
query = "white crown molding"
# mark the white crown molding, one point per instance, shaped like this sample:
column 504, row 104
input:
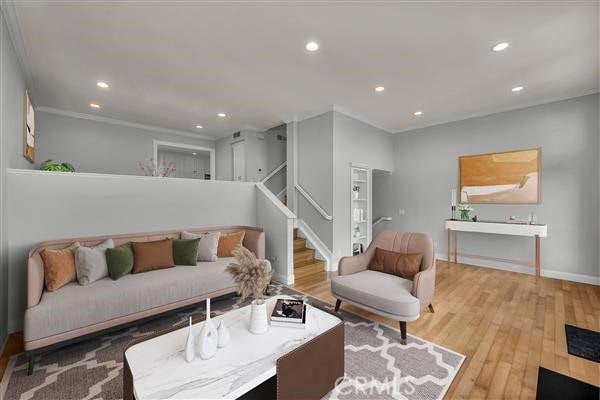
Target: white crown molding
column 113, row 121
column 486, row 113
column 9, row 11
column 339, row 109
column 360, row 118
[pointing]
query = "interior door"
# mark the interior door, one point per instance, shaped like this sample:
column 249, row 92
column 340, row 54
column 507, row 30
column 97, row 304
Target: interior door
column 239, row 161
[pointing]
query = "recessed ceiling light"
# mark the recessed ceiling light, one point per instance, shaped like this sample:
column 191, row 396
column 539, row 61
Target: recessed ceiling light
column 102, row 84
column 194, row 154
column 199, row 126
column 500, row 46
column 312, row 46
column 517, row 88
column 379, row 89
column 417, row 113
column 94, row 105
column 222, row 115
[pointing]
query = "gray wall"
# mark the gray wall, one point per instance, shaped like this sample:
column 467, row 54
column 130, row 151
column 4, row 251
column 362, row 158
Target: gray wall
column 100, row 147
column 276, row 154
column 186, row 165
column 426, row 169
column 12, row 104
column 354, row 141
column 89, row 204
column 315, row 173
column 255, row 153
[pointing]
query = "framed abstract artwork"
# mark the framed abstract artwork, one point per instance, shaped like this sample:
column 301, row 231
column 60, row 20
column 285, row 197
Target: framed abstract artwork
column 510, row 177
column 29, row 130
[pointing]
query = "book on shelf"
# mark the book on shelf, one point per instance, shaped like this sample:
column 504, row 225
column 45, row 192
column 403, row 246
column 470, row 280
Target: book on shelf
column 289, row 311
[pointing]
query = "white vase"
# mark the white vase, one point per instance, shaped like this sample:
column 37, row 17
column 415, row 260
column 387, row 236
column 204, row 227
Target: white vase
column 190, row 349
column 208, row 337
column 259, row 323
column 355, row 194
column 224, row 336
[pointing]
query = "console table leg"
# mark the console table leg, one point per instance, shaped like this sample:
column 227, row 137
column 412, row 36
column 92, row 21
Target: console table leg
column 449, row 235
column 455, row 247
column 537, row 256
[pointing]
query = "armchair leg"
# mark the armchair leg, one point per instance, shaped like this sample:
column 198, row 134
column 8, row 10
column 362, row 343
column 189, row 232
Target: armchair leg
column 431, row 308
column 338, row 304
column 402, row 332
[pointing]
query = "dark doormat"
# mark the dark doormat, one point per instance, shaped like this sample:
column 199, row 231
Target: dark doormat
column 583, row 343
column 552, row 385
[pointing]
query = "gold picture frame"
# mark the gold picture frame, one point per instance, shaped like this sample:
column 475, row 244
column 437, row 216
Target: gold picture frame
column 29, row 130
column 508, row 177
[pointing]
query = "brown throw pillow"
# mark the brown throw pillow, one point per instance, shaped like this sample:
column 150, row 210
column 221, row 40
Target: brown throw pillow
column 59, row 266
column 148, row 256
column 400, row 264
column 228, row 242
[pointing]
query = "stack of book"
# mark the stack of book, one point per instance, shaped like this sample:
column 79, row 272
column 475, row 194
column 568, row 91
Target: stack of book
column 289, row 313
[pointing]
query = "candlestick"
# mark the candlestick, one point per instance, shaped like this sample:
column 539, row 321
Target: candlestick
column 453, row 198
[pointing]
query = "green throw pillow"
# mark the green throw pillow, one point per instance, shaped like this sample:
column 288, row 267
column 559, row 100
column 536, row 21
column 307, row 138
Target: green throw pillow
column 185, row 252
column 119, row 260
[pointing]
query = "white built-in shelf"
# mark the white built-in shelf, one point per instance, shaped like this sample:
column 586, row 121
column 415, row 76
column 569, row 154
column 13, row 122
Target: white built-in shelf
column 360, row 222
column 359, row 199
column 363, row 237
column 359, row 180
column 360, row 208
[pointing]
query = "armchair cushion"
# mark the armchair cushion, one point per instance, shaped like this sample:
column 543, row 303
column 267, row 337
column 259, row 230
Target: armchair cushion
column 400, row 264
column 381, row 292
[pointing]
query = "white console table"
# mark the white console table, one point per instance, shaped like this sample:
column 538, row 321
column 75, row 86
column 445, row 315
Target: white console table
column 536, row 231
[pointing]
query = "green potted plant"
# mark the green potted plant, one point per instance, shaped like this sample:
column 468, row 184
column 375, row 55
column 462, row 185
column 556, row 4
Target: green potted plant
column 465, row 209
column 50, row 165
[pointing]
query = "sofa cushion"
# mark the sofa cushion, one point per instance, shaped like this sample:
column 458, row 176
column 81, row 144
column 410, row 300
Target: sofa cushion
column 59, row 266
column 76, row 306
column 400, row 264
column 119, row 260
column 228, row 242
column 148, row 256
column 90, row 262
column 209, row 242
column 380, row 291
column 185, row 251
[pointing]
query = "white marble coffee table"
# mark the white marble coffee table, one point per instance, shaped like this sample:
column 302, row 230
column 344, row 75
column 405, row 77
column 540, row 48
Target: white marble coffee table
column 159, row 371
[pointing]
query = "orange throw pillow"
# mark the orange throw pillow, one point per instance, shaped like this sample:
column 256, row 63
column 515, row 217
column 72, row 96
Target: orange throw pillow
column 403, row 265
column 148, row 256
column 228, row 242
column 59, row 266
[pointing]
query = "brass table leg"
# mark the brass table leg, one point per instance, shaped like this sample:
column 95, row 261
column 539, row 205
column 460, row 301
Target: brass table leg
column 455, row 247
column 449, row 235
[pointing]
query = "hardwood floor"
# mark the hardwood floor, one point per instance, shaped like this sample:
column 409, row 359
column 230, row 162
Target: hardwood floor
column 507, row 324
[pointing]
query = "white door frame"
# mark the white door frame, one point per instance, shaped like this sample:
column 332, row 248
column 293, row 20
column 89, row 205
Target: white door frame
column 233, row 144
column 187, row 147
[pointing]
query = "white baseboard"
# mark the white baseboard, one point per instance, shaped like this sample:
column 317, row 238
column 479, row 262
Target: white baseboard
column 505, row 266
column 287, row 280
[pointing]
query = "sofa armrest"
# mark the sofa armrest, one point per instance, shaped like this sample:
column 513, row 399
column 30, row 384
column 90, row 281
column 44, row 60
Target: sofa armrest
column 254, row 240
column 352, row 265
column 424, row 286
column 35, row 279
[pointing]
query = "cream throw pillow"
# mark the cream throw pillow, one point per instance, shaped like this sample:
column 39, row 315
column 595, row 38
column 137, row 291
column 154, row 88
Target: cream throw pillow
column 90, row 262
column 209, row 243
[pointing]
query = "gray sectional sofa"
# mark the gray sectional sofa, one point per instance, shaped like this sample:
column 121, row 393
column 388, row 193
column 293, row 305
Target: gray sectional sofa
column 75, row 311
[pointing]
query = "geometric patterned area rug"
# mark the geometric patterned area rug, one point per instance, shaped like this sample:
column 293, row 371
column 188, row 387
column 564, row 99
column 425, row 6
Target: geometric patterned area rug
column 377, row 366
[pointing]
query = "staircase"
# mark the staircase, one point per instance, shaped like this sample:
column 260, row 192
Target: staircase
column 306, row 266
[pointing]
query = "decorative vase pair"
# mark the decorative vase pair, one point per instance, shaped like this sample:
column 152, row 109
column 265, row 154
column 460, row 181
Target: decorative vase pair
column 209, row 339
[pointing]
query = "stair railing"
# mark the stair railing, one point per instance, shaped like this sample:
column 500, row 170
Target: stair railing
column 312, row 201
column 274, row 172
column 381, row 219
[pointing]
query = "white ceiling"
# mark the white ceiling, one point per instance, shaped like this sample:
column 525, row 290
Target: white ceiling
column 176, row 65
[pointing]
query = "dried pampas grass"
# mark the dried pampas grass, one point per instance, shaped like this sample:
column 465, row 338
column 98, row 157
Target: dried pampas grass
column 250, row 274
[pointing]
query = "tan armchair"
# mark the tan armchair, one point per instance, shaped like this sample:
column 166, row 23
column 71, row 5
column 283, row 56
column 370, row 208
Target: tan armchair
column 384, row 294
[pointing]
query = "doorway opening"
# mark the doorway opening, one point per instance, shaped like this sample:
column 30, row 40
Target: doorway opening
column 189, row 161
